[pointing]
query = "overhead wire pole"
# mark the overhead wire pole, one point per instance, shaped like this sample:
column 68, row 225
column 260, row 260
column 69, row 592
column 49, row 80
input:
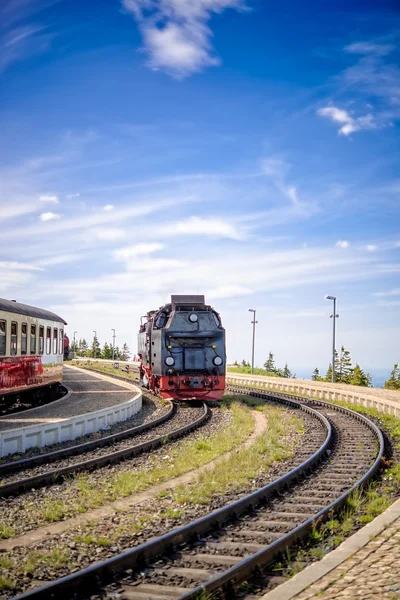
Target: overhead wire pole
column 334, row 316
column 113, row 346
column 94, row 343
column 75, row 343
column 254, row 338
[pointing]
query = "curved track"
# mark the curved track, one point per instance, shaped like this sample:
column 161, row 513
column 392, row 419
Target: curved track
column 43, row 476
column 216, row 553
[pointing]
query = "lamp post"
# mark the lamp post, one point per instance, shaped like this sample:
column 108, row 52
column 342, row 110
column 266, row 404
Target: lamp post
column 334, row 316
column 113, row 346
column 94, row 343
column 254, row 338
column 75, row 342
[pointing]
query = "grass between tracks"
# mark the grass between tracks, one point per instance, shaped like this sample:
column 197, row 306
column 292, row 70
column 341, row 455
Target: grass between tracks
column 88, row 491
column 235, row 472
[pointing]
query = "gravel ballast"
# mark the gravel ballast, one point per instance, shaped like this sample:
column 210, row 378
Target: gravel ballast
column 103, row 539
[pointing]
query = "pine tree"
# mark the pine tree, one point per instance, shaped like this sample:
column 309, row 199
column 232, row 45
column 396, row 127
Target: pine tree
column 287, row 372
column 316, row 376
column 393, row 383
column 83, row 347
column 269, row 364
column 117, row 353
column 328, row 376
column 106, row 353
column 345, row 367
column 360, row 378
column 95, row 349
column 245, row 363
column 125, row 354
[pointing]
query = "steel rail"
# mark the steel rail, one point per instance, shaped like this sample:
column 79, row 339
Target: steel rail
column 50, row 477
column 232, row 577
column 90, row 579
column 49, row 457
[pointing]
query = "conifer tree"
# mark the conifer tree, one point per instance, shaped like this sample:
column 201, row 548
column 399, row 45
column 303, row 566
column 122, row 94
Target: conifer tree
column 106, row 353
column 95, row 348
column 287, row 372
column 83, row 347
column 269, row 364
column 328, row 376
column 316, row 376
column 393, row 383
column 360, row 378
column 125, row 352
column 345, row 368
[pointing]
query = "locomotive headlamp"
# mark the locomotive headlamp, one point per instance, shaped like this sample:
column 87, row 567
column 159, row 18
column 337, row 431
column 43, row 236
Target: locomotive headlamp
column 169, row 361
column 217, row 360
column 169, row 347
column 213, row 346
column 193, row 318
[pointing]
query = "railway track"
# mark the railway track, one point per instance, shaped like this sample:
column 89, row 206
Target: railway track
column 26, row 474
column 216, row 553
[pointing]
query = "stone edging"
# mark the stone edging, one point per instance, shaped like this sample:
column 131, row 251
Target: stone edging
column 291, row 588
column 57, row 430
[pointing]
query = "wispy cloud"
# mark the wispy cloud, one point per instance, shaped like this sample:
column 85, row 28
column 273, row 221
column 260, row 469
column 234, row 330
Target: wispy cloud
column 108, row 207
column 348, row 124
column 370, row 48
column 372, row 247
column 176, row 34
column 19, row 36
column 343, row 244
column 395, row 292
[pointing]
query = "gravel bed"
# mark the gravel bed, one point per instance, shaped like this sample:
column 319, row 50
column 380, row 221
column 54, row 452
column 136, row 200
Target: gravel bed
column 21, row 512
column 82, row 552
column 152, row 408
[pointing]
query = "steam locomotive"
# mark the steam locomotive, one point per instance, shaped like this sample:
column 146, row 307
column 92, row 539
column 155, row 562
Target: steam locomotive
column 181, row 348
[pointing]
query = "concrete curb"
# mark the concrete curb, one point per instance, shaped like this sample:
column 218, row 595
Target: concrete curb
column 53, row 430
column 291, row 588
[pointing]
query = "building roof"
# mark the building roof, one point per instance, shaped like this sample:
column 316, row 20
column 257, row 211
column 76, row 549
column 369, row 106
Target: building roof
column 30, row 311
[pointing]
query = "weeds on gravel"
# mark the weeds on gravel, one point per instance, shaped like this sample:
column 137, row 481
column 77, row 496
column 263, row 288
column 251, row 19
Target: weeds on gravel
column 89, row 492
column 247, row 463
column 7, row 584
column 6, row 531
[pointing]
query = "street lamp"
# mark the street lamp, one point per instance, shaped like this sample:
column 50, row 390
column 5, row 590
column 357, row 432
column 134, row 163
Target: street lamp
column 254, row 337
column 75, row 342
column 113, row 346
column 94, row 343
column 334, row 316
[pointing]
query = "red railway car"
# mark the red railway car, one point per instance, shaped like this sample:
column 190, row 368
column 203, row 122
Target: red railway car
column 31, row 351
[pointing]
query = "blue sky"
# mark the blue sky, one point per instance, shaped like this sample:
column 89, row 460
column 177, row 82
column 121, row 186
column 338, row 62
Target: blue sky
column 242, row 149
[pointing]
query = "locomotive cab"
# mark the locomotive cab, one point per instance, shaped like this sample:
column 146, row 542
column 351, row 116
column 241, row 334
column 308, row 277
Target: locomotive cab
column 182, row 350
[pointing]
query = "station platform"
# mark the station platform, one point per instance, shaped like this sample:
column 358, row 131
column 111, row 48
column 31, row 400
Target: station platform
column 93, row 402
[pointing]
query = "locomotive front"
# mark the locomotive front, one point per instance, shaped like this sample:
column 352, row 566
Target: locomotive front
column 182, row 350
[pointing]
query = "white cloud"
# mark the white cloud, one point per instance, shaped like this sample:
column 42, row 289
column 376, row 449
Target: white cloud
column 108, row 207
column 176, row 32
column 123, row 254
column 343, row 244
column 49, row 216
column 370, row 48
column 70, row 196
column 348, row 124
column 395, row 292
column 203, row 226
column 228, row 291
column 51, row 199
column 372, row 247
